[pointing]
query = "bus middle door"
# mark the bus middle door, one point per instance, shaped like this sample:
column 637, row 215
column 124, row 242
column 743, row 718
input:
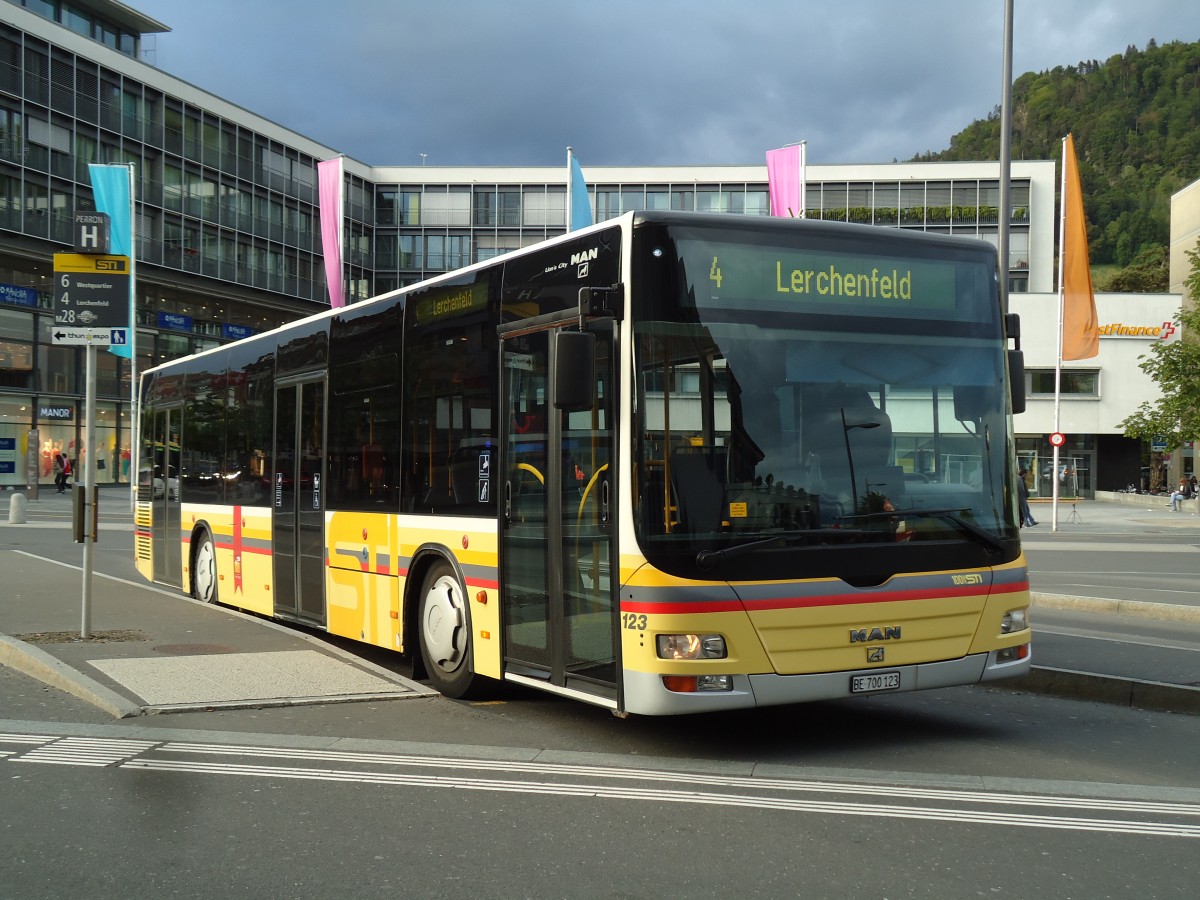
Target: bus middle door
column 298, row 501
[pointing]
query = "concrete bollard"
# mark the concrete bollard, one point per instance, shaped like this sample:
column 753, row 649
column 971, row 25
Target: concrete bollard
column 16, row 509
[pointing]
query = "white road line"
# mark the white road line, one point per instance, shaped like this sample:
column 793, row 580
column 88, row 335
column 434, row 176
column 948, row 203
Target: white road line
column 777, row 784
column 144, row 585
column 1092, row 586
column 78, row 751
column 26, row 738
column 587, row 782
column 605, row 792
column 1083, row 635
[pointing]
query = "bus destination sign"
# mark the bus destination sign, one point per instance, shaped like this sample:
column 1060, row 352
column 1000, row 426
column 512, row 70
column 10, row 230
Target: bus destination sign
column 773, row 278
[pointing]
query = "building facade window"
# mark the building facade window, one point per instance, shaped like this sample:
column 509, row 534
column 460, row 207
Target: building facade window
column 1074, row 383
column 16, row 349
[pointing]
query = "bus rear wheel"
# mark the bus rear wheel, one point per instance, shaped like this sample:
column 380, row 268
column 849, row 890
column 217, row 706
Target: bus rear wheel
column 204, row 570
column 444, row 625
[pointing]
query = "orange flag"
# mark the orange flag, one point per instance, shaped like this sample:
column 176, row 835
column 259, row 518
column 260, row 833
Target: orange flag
column 1081, row 326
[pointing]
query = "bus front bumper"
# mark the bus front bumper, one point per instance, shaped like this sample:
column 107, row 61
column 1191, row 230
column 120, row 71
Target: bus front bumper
column 645, row 693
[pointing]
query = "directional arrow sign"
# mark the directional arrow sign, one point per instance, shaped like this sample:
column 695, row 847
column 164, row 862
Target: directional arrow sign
column 94, row 337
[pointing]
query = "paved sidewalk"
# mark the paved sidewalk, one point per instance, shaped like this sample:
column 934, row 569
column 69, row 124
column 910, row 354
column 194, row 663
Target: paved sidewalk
column 153, row 650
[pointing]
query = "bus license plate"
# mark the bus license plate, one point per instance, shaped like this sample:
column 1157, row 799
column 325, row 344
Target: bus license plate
column 876, row 681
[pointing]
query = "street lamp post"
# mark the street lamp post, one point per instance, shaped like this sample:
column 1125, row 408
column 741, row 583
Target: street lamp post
column 846, row 429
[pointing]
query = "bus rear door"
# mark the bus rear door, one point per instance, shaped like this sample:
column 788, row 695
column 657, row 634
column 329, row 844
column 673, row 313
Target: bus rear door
column 159, row 482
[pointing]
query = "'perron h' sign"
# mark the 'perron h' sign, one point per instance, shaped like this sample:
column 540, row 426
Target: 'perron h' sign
column 91, row 232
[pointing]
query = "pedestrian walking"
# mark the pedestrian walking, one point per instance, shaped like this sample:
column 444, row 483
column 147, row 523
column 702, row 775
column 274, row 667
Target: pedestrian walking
column 62, row 471
column 1023, row 498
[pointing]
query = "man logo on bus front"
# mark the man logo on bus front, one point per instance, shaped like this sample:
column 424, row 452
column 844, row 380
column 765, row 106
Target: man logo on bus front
column 875, row 654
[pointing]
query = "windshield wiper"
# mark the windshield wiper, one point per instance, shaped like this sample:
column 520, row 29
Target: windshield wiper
column 706, row 559
column 966, row 526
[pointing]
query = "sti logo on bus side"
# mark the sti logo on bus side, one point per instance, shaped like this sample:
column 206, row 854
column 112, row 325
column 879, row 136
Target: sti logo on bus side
column 887, row 633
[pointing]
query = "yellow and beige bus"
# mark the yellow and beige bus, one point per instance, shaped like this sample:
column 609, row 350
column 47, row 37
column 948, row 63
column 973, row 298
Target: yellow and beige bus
column 669, row 463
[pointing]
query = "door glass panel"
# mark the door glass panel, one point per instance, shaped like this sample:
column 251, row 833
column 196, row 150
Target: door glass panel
column 284, row 500
column 587, row 515
column 557, row 519
column 169, row 473
column 526, row 584
column 310, row 502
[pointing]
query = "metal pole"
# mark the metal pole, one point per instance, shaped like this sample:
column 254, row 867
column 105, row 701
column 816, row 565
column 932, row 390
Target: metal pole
column 803, row 214
column 1062, row 224
column 134, row 416
column 570, row 205
column 1005, row 154
column 89, row 491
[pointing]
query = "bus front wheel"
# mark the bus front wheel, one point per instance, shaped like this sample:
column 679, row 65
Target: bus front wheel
column 204, row 570
column 445, row 632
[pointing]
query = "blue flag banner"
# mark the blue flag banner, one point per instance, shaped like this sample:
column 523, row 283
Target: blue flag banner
column 110, row 185
column 577, row 201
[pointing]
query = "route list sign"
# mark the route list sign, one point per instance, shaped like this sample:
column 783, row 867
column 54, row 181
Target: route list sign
column 91, row 299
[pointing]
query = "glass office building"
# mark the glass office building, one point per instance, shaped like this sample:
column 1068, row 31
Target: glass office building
column 227, row 227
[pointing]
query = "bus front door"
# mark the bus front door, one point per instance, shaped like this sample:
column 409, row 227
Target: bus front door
column 298, row 501
column 557, row 518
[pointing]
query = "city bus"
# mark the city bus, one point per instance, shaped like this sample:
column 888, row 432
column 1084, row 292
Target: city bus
column 669, row 463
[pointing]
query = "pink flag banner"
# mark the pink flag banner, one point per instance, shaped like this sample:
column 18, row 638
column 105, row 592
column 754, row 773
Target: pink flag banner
column 785, row 179
column 329, row 192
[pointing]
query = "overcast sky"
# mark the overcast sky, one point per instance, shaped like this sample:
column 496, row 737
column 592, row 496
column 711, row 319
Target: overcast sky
column 634, row 82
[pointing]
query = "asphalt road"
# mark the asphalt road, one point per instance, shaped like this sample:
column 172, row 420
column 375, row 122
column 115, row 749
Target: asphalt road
column 951, row 793
column 204, row 816
column 1147, row 560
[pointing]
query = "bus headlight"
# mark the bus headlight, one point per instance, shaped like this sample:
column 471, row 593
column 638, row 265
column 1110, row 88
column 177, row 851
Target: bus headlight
column 691, row 646
column 1014, row 620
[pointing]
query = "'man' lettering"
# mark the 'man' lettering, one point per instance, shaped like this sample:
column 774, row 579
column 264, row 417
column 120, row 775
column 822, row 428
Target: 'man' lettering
column 862, row 635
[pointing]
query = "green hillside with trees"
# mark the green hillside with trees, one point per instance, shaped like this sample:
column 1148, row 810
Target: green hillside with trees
column 1136, row 122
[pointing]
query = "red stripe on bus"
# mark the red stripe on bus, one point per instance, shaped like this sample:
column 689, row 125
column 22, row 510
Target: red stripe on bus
column 228, row 545
column 702, row 606
column 699, row 606
column 853, row 599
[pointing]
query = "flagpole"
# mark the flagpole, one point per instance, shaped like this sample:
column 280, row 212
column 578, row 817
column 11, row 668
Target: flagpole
column 1062, row 231
column 570, row 204
column 803, row 179
column 1005, row 209
column 134, row 412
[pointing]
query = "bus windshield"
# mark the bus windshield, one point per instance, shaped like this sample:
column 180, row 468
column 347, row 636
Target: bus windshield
column 783, row 410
